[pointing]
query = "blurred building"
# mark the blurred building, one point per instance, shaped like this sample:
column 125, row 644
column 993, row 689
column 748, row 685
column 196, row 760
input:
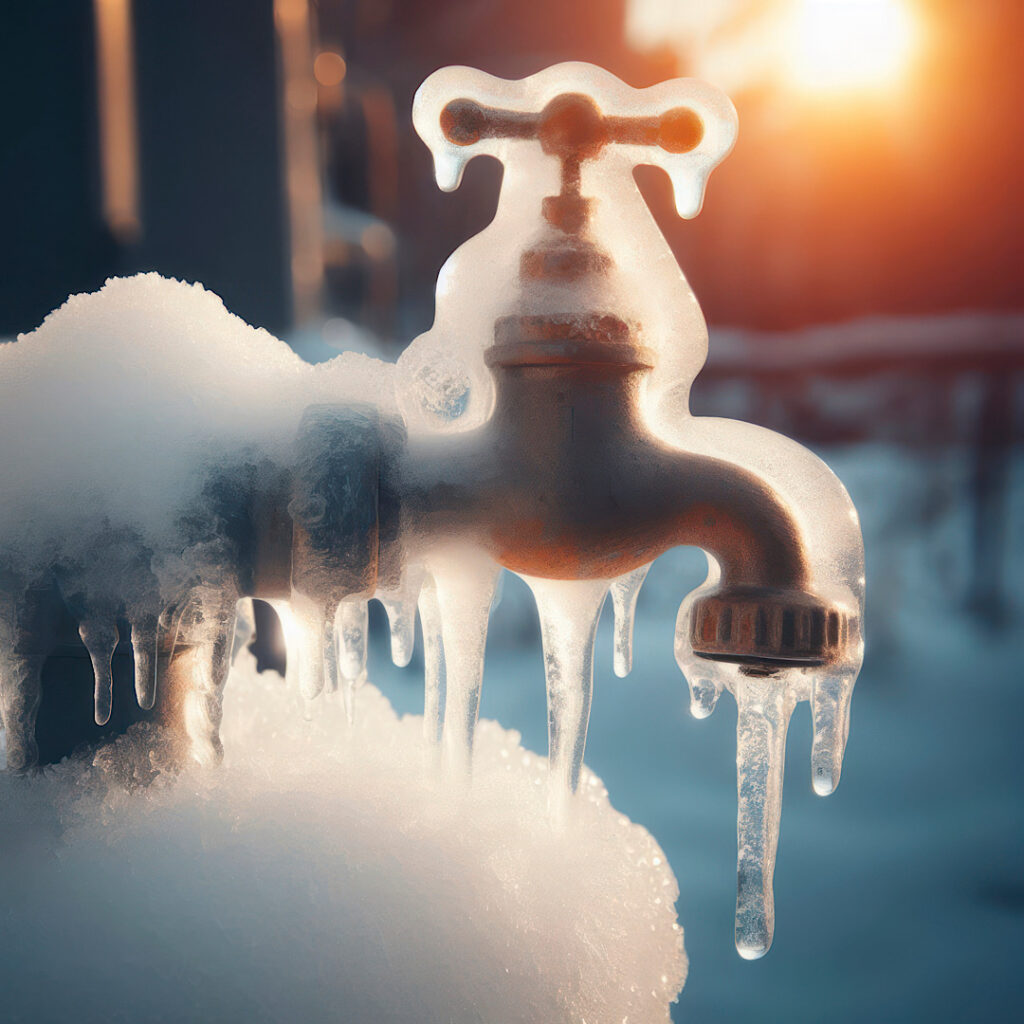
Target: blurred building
column 224, row 125
column 178, row 168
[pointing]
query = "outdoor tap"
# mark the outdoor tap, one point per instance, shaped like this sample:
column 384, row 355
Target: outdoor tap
column 567, row 476
column 549, row 431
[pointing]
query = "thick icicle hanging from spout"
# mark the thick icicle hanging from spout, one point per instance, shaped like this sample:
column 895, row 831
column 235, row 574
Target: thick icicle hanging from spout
column 100, row 637
column 465, row 582
column 764, row 705
column 625, row 590
column 569, row 611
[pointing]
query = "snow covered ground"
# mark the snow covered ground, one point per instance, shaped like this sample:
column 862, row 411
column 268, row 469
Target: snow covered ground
column 326, row 873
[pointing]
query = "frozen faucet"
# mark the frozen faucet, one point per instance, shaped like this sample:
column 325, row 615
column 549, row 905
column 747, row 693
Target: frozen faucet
column 559, row 439
column 541, row 426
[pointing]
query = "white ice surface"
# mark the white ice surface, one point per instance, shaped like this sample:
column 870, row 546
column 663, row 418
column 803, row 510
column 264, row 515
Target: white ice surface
column 327, row 873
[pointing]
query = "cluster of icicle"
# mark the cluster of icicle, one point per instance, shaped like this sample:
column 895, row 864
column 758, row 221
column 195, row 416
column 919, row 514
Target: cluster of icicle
column 453, row 594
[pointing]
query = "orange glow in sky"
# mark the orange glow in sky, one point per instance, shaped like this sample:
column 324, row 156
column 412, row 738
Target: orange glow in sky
column 829, row 48
column 849, row 44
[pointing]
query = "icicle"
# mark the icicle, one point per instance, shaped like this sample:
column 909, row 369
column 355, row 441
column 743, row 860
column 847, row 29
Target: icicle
column 704, row 694
column 245, row 627
column 312, row 632
column 433, row 661
column 351, row 625
column 207, row 662
column 100, row 638
column 830, row 713
column 332, row 673
column 569, row 611
column 465, row 582
column 167, row 625
column 144, row 650
column 625, row 590
column 402, row 620
column 400, row 605
column 290, row 635
column 764, row 709
column 703, row 677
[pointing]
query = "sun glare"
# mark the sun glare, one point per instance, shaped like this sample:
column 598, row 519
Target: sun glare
column 850, row 44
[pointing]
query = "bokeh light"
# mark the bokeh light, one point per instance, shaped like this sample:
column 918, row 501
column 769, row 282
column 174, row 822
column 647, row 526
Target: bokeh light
column 849, row 44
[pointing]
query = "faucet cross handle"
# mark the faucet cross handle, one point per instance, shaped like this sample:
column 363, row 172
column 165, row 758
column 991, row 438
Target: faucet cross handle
column 573, row 128
column 576, row 112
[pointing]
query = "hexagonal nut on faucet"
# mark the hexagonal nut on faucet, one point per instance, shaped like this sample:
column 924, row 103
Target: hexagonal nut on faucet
column 767, row 629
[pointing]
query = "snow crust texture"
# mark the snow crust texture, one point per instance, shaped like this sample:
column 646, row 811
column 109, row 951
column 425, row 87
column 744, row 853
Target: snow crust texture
column 120, row 404
column 327, row 872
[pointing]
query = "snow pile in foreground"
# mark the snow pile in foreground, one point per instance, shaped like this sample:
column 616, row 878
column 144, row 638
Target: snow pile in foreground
column 124, row 402
column 327, row 872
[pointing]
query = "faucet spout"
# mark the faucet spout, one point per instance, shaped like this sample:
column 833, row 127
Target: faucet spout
column 567, row 481
column 738, row 519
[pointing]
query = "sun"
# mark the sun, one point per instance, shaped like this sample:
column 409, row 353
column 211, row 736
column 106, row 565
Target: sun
column 841, row 45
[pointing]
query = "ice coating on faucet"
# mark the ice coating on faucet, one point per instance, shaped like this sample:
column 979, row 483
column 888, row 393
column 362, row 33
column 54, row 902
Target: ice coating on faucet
column 685, row 127
column 682, row 116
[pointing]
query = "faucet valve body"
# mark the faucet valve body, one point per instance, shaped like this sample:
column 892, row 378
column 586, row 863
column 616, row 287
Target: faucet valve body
column 593, row 311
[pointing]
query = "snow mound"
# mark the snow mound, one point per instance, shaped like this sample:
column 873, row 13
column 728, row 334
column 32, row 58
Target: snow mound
column 328, row 872
column 117, row 407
